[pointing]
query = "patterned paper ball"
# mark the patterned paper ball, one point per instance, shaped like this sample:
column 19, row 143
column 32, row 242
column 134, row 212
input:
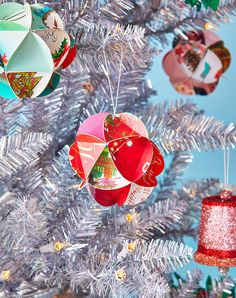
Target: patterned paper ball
column 33, row 46
column 195, row 64
column 115, row 159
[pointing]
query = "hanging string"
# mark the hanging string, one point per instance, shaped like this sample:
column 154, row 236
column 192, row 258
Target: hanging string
column 225, row 195
column 114, row 101
column 109, row 82
column 226, row 168
column 119, row 79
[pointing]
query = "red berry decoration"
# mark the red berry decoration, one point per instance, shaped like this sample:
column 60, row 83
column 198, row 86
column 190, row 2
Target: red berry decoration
column 196, row 62
column 115, row 159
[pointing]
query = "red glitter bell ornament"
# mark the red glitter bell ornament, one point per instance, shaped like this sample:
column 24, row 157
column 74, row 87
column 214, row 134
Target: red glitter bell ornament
column 115, row 159
column 217, row 237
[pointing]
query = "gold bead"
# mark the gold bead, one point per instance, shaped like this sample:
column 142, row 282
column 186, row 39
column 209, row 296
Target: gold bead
column 58, row 246
column 209, row 26
column 129, row 217
column 131, row 247
column 118, row 28
column 6, row 275
column 120, row 275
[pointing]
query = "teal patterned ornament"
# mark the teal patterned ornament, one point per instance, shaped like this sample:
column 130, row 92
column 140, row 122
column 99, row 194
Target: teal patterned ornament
column 213, row 4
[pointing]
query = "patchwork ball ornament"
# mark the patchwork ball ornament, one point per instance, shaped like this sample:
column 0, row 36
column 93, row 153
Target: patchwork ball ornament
column 196, row 62
column 115, row 159
column 33, row 47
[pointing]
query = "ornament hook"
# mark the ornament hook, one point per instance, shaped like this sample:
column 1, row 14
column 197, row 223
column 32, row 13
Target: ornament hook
column 226, row 167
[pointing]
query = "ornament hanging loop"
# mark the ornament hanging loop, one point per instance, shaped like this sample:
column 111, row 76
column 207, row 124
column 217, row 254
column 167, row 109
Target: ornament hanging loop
column 109, row 80
column 114, row 100
column 226, row 167
column 118, row 84
column 226, row 193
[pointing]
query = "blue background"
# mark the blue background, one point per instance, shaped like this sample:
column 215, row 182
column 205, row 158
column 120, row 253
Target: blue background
column 222, row 105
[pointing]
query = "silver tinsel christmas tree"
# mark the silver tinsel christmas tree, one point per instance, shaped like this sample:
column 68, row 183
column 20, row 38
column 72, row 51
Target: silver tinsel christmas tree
column 55, row 238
